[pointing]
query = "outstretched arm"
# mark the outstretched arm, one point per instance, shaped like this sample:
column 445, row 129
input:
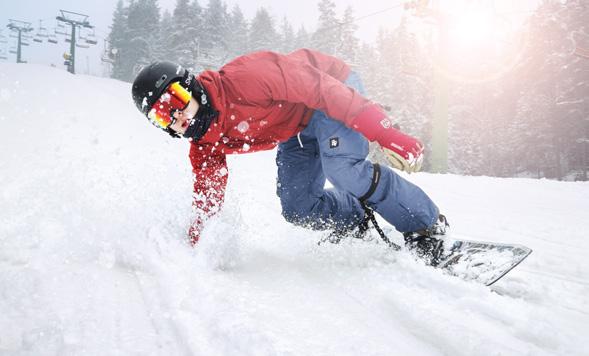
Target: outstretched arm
column 209, row 167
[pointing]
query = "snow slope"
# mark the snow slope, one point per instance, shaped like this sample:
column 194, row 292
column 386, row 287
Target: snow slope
column 95, row 203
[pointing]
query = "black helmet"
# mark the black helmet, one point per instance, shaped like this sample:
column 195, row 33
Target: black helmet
column 152, row 80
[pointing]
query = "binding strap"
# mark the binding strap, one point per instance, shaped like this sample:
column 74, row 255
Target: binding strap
column 369, row 213
column 373, row 183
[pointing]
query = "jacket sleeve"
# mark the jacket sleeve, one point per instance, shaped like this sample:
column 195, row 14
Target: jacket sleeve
column 307, row 77
column 209, row 167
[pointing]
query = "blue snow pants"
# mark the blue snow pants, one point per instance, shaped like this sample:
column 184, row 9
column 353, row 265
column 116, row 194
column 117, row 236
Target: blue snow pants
column 327, row 149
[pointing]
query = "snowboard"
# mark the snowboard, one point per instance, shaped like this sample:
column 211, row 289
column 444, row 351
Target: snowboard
column 483, row 262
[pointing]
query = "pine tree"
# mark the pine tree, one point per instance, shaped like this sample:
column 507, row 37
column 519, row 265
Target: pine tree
column 348, row 48
column 263, row 35
column 183, row 33
column 238, row 33
column 287, row 37
column 118, row 42
column 143, row 23
column 193, row 43
column 326, row 38
column 164, row 42
column 302, row 38
column 553, row 108
column 579, row 31
column 213, row 43
column 367, row 67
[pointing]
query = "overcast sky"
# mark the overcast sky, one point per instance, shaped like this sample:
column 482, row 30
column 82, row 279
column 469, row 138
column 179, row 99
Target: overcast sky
column 298, row 11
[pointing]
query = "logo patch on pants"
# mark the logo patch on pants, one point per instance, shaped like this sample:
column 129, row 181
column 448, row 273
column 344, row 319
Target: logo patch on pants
column 333, row 142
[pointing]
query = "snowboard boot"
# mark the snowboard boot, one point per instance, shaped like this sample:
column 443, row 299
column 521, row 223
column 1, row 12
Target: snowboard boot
column 427, row 244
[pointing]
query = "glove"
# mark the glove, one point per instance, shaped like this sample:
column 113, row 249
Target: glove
column 406, row 154
column 402, row 151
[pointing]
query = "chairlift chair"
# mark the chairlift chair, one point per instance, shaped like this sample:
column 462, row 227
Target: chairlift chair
column 60, row 29
column 91, row 39
column 52, row 38
column 41, row 32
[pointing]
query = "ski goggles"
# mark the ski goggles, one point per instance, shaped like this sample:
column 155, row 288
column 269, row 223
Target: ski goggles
column 174, row 98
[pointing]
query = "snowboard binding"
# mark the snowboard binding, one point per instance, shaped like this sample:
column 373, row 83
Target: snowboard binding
column 426, row 244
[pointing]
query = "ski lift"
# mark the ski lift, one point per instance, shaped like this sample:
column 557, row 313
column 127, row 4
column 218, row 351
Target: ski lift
column 91, row 39
column 60, row 29
column 109, row 53
column 83, row 34
column 41, row 33
column 80, row 43
column 52, row 38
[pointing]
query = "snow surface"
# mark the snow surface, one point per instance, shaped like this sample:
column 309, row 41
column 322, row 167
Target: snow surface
column 95, row 204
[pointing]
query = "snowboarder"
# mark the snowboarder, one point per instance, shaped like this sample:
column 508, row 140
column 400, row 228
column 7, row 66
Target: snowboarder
column 311, row 106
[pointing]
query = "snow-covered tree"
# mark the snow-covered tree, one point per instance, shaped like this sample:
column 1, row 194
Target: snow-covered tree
column 182, row 35
column 287, row 37
column 553, row 110
column 263, row 35
column 143, row 24
column 348, row 47
column 302, row 38
column 326, row 38
column 214, row 40
column 118, row 39
column 238, row 33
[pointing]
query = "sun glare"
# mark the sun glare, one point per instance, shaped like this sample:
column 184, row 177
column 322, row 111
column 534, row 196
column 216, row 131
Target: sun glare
column 471, row 29
column 476, row 40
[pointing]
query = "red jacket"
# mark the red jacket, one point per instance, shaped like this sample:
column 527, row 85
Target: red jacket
column 265, row 98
